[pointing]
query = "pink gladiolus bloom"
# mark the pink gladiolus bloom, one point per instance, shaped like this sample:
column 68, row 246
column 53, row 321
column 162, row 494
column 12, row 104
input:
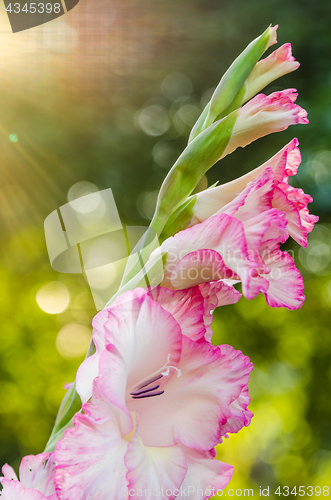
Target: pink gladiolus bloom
column 191, row 308
column 36, row 479
column 160, row 404
column 285, row 198
column 242, row 238
column 264, row 115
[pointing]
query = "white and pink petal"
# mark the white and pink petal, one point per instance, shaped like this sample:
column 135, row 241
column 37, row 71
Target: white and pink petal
column 90, row 457
column 295, row 228
column 37, row 472
column 154, row 472
column 14, row 490
column 138, row 346
column 186, row 306
column 286, row 285
column 240, row 415
column 195, row 404
column 205, row 475
column 222, row 234
column 216, row 294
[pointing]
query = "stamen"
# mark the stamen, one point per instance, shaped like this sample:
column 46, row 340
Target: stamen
column 148, row 395
column 166, row 373
column 137, row 391
column 147, row 382
column 145, row 390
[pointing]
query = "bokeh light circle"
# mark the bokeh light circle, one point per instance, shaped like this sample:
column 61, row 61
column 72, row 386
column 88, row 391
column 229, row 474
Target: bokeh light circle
column 154, row 120
column 176, row 85
column 84, row 205
column 73, row 340
column 53, row 298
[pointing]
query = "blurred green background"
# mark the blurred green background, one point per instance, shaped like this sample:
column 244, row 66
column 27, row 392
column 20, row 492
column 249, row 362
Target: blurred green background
column 107, row 95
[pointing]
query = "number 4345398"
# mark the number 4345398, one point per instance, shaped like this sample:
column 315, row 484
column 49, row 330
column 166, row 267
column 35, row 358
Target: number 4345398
column 33, row 8
column 303, row 490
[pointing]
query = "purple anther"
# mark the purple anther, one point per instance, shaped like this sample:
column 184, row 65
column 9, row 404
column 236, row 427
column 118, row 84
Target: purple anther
column 148, row 395
column 150, row 381
column 136, row 392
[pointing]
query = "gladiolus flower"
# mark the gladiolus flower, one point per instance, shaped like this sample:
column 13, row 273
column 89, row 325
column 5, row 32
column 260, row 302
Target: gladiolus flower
column 292, row 201
column 191, row 308
column 160, row 404
column 241, row 241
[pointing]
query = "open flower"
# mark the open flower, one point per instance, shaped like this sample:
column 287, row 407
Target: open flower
column 36, row 479
column 160, row 403
column 191, row 308
column 241, row 241
column 292, row 201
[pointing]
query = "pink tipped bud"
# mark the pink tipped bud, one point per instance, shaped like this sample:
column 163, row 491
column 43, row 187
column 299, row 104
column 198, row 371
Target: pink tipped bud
column 278, row 63
column 264, row 115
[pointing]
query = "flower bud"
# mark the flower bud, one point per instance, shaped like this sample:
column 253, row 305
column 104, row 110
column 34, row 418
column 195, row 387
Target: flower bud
column 233, row 80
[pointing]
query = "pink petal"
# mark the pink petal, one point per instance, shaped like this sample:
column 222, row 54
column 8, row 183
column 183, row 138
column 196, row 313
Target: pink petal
column 37, row 472
column 199, row 267
column 152, row 471
column 216, row 293
column 285, row 281
column 204, row 474
column 278, row 63
column 265, row 226
column 140, row 337
column 90, row 457
column 8, row 473
column 295, row 228
column 284, row 52
column 254, row 199
column 285, row 162
column 273, row 35
column 240, row 415
column 223, row 234
column 297, row 196
column 14, row 490
column 210, row 201
column 196, row 404
column 186, row 306
column 192, row 308
column 298, row 200
column 308, row 220
column 264, row 115
column 68, row 385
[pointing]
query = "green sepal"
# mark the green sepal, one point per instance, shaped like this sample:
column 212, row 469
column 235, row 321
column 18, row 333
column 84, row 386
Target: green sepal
column 212, row 185
column 151, row 274
column 199, row 125
column 56, row 436
column 70, row 405
column 230, row 92
column 197, row 158
column 179, row 219
column 235, row 77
